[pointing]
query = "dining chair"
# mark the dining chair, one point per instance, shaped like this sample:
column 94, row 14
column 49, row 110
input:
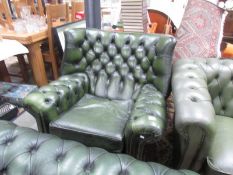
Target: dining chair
column 5, row 15
column 19, row 3
column 6, row 21
column 164, row 24
column 76, row 7
column 152, row 27
column 4, row 74
column 57, row 14
column 41, row 7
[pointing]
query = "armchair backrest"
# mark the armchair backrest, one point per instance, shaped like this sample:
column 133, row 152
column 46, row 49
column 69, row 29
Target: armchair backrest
column 118, row 64
column 218, row 75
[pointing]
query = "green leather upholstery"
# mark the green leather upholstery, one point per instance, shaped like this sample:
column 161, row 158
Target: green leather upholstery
column 203, row 97
column 220, row 156
column 109, row 66
column 118, row 64
column 108, row 134
column 50, row 101
column 25, row 151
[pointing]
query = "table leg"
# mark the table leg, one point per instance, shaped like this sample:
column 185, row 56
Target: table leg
column 37, row 63
column 4, row 75
column 23, row 68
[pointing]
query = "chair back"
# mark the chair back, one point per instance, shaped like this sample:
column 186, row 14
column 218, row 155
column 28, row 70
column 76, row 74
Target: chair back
column 76, row 7
column 164, row 25
column 119, row 64
column 34, row 10
column 218, row 76
column 57, row 14
column 18, row 4
column 5, row 14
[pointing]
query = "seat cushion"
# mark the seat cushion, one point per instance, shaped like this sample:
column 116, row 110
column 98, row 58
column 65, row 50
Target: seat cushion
column 220, row 157
column 95, row 121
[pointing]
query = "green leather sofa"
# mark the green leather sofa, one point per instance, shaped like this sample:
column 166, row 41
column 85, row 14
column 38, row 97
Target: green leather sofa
column 112, row 90
column 24, row 151
column 203, row 97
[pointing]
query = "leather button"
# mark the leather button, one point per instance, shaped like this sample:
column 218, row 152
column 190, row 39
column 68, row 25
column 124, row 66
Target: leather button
column 47, row 100
column 123, row 172
column 191, row 77
column 193, row 88
column 194, row 99
column 60, row 157
column 33, row 149
column 127, row 41
column 88, row 167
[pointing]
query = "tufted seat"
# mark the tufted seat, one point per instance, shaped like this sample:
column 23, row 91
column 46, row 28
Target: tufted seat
column 108, row 135
column 25, row 151
column 203, row 96
column 112, row 90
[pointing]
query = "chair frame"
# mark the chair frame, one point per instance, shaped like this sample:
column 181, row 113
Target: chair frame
column 54, row 11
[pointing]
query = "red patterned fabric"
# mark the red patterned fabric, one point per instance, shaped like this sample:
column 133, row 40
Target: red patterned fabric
column 200, row 32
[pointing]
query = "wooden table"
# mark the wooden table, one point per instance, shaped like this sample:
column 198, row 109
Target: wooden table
column 32, row 41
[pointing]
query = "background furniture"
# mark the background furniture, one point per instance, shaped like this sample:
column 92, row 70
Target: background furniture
column 5, row 15
column 228, row 28
column 4, row 72
column 76, row 7
column 15, row 93
column 10, row 48
column 164, row 24
column 7, row 111
column 226, row 50
column 203, row 97
column 32, row 152
column 6, row 21
column 37, row 8
column 103, row 74
column 55, row 13
column 33, row 42
column 20, row 3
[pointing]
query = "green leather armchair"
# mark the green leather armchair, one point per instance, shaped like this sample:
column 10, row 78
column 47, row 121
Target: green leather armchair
column 112, row 90
column 25, row 151
column 203, row 98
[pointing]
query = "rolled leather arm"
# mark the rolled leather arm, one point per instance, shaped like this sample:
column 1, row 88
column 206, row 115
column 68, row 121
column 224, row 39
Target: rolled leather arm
column 194, row 112
column 49, row 101
column 148, row 114
column 147, row 120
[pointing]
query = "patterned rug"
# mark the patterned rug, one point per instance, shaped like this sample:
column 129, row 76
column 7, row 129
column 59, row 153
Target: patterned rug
column 200, row 32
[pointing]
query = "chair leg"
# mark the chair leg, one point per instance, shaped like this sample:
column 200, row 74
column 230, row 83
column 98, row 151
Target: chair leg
column 23, row 67
column 4, row 75
column 54, row 67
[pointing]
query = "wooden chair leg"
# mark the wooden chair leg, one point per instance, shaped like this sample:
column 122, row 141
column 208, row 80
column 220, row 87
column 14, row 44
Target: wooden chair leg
column 23, row 67
column 54, row 67
column 4, row 75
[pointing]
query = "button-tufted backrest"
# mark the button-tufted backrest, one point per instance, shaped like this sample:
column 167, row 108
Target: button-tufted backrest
column 218, row 75
column 24, row 151
column 118, row 64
